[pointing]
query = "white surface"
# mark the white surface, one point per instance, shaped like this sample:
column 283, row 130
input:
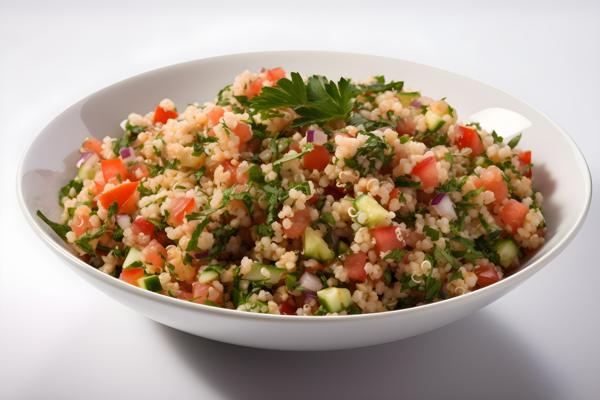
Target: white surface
column 60, row 339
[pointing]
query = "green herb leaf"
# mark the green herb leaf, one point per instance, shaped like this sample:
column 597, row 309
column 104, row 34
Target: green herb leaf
column 319, row 100
column 434, row 234
column 255, row 174
column 441, row 255
column 60, row 229
column 65, row 190
column 84, row 241
column 293, row 155
column 112, row 210
column 402, row 181
column 515, row 141
column 327, row 217
column 396, row 255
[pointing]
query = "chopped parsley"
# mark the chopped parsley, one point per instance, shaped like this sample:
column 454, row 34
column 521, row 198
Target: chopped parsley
column 65, row 191
column 515, row 141
column 60, row 229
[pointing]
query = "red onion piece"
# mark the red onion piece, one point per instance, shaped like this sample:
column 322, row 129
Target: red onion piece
column 123, row 221
column 316, row 136
column 438, row 197
column 416, row 103
column 204, row 254
column 310, row 282
column 308, row 295
column 84, row 157
column 442, row 204
column 126, row 152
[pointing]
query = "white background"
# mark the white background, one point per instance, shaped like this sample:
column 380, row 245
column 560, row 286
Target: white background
column 59, row 338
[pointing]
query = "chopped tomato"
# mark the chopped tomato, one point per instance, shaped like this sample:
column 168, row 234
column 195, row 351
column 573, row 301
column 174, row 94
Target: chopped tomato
column 525, row 157
column 201, row 293
column 513, row 214
column 92, row 145
column 525, row 160
column 287, row 308
column 162, row 116
column 114, row 170
column 142, row 225
column 131, row 275
column 491, row 179
column 469, row 138
column 125, row 195
column 315, row 266
column 312, row 199
column 355, row 266
column 317, row 159
column 179, row 207
column 97, row 188
column 275, row 74
column 227, row 166
column 300, row 220
column 215, row 114
column 154, row 253
column 426, row 171
column 486, row 275
column 183, row 295
column 80, row 222
column 254, row 88
column 242, row 178
column 243, row 132
column 138, row 171
column 406, row 126
column 394, row 194
column 295, row 146
column 130, row 206
column 386, row 239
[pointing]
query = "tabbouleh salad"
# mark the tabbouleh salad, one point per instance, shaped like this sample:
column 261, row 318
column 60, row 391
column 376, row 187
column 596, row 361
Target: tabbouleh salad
column 304, row 196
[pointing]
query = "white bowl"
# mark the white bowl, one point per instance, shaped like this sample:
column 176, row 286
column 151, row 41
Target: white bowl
column 560, row 173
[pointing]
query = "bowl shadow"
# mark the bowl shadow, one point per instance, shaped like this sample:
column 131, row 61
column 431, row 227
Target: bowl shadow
column 476, row 357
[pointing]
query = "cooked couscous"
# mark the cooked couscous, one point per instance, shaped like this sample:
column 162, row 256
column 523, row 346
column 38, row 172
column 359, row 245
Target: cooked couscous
column 304, row 197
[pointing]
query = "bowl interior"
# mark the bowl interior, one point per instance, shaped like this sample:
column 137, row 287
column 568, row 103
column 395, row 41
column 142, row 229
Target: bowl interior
column 560, row 172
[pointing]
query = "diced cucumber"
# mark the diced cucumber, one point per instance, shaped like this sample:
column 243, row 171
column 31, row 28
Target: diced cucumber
column 407, row 97
column 335, row 299
column 315, row 247
column 433, row 121
column 271, row 274
column 508, row 252
column 376, row 214
column 150, row 282
column 134, row 259
column 89, row 168
column 208, row 275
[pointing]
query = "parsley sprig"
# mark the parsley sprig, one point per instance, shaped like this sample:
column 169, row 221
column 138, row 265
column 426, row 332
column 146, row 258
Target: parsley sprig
column 319, row 100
